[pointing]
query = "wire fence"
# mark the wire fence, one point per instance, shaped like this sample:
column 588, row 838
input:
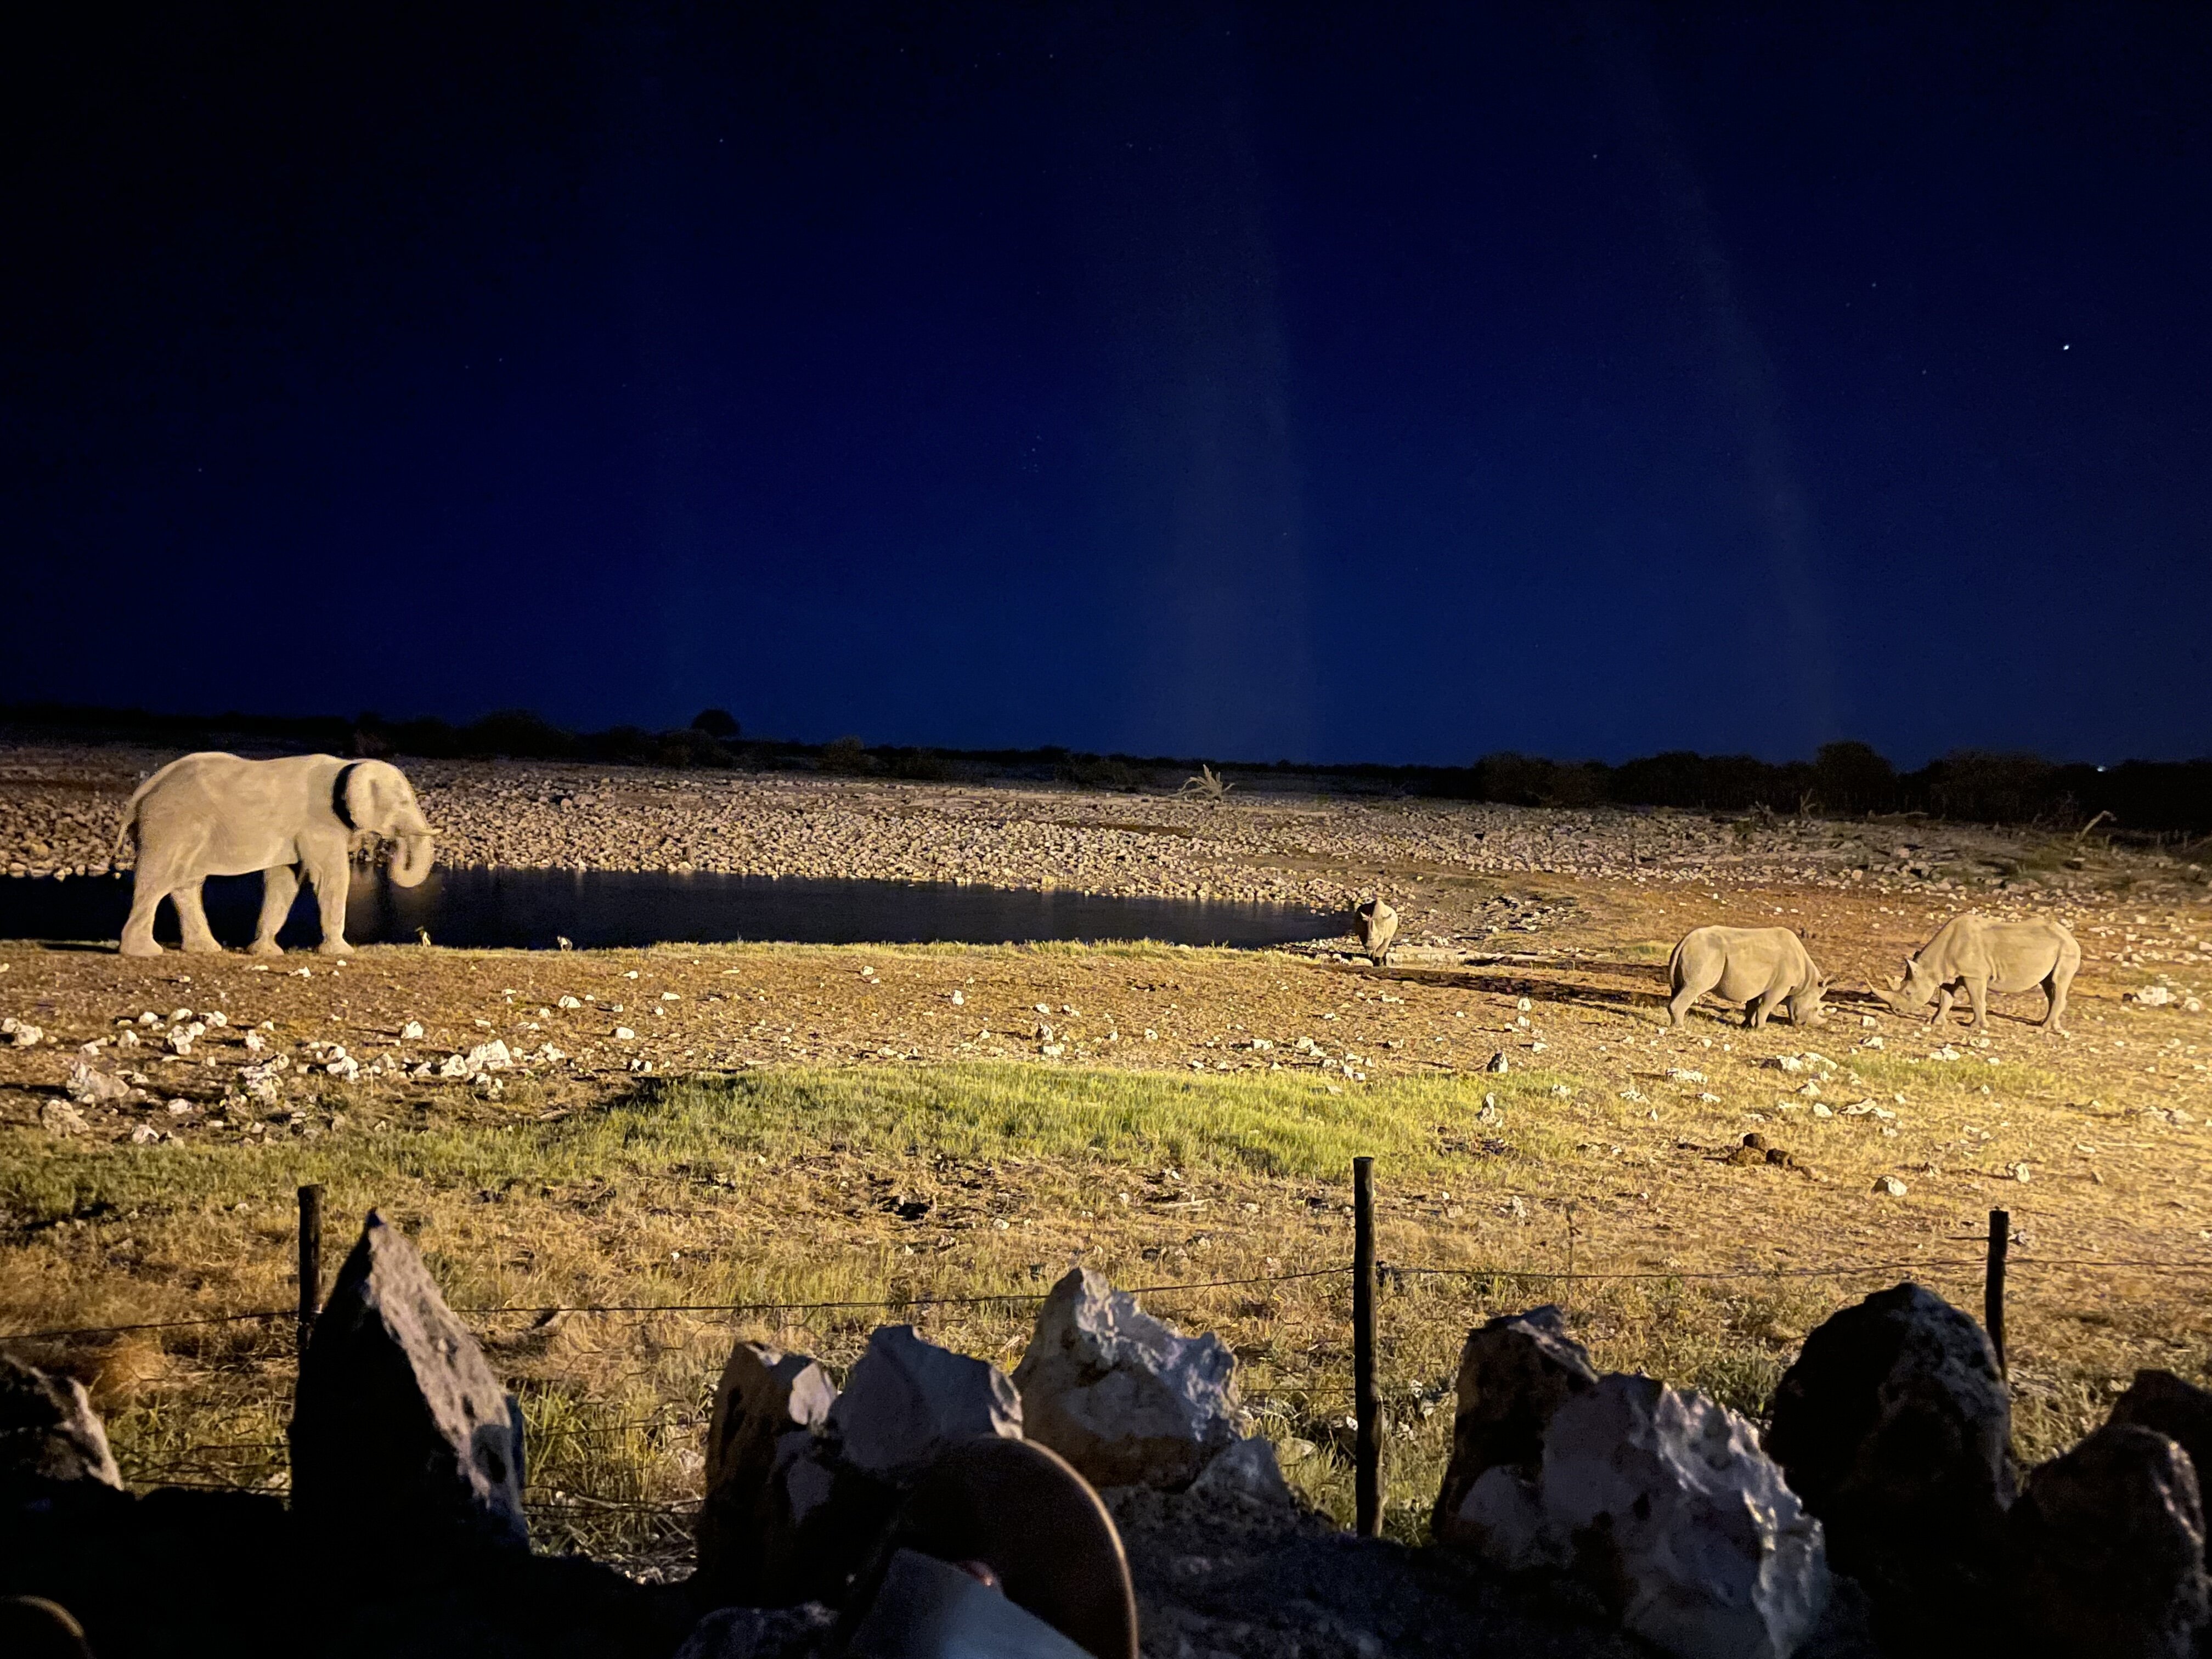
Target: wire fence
column 1385, row 1270
column 205, row 1465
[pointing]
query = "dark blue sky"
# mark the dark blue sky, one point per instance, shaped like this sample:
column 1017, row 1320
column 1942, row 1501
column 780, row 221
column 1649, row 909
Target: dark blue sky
column 1393, row 383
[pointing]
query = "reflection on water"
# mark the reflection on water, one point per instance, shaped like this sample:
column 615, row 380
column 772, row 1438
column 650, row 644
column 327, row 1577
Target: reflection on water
column 531, row 908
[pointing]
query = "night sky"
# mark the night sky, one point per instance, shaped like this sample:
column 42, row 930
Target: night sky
column 1394, row 383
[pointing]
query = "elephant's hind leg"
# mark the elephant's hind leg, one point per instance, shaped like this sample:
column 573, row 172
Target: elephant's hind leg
column 191, row 920
column 280, row 885
column 146, row 896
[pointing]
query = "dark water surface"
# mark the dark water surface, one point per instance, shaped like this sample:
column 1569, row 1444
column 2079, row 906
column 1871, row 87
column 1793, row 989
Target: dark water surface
column 530, row 909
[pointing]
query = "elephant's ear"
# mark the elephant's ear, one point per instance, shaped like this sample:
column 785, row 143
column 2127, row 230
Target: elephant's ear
column 368, row 799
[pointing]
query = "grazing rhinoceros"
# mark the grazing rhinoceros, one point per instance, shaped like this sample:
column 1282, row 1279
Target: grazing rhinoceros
column 1759, row 967
column 1376, row 924
column 1972, row 956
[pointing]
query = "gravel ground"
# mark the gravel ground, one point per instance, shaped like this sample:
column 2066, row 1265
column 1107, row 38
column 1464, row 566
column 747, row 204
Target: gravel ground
column 1443, row 863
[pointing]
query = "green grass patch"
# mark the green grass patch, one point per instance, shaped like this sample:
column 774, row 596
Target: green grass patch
column 1269, row 1124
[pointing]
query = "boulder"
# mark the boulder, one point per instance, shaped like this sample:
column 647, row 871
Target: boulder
column 398, row 1424
column 1663, row 1503
column 1895, row 1427
column 906, row 1401
column 768, row 1409
column 49, row 1433
column 2180, row 1411
column 831, row 1486
column 1514, row 1372
column 2107, row 1550
column 1125, row 1397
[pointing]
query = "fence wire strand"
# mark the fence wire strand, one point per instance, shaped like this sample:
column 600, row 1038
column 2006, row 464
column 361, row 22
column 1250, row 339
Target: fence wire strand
column 1384, row 1270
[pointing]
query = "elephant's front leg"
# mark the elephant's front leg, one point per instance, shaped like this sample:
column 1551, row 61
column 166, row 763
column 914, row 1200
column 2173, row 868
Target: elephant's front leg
column 332, row 875
column 280, row 885
column 199, row 940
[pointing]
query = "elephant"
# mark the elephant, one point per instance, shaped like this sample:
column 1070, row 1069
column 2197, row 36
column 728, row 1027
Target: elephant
column 217, row 814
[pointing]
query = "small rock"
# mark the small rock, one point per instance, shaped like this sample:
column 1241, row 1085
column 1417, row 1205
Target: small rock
column 623, row 1033
column 411, row 1031
column 2154, row 996
column 59, row 1117
column 1498, row 1063
column 21, row 1033
column 1889, row 1187
column 1123, row 1396
column 1246, row 1472
column 49, row 1433
column 2107, row 1549
column 89, row 1086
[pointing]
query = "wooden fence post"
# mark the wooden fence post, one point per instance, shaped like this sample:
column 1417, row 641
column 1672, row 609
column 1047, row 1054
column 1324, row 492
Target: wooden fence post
column 311, row 1260
column 1367, row 1444
column 1993, row 1284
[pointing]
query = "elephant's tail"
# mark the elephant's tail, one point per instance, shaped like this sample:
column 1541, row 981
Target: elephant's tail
column 128, row 830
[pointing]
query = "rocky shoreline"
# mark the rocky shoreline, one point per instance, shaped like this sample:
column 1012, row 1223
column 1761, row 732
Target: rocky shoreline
column 60, row 807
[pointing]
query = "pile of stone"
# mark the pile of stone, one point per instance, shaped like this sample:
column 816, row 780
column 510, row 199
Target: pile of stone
column 1661, row 1502
column 1881, row 1502
column 802, row 1478
column 1884, row 1477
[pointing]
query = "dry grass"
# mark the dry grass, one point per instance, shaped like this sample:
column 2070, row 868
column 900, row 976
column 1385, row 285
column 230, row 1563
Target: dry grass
column 781, row 1186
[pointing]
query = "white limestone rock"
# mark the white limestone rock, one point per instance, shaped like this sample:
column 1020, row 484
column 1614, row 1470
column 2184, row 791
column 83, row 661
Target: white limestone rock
column 1665, row 1503
column 1125, row 1397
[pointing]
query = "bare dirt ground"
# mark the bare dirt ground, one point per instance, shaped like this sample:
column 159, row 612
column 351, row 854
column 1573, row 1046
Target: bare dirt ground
column 709, row 1125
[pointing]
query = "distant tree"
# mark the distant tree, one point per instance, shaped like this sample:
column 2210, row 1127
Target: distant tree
column 845, row 755
column 716, row 723
column 1850, row 777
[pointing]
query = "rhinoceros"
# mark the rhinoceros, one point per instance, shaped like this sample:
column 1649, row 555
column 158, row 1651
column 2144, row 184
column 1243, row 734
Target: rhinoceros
column 1376, row 924
column 1759, row 967
column 1972, row 956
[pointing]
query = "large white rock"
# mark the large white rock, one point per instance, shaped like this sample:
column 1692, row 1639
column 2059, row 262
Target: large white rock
column 906, row 1401
column 1125, row 1397
column 1665, row 1503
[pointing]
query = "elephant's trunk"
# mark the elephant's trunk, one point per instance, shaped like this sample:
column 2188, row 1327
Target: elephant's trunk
column 410, row 860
